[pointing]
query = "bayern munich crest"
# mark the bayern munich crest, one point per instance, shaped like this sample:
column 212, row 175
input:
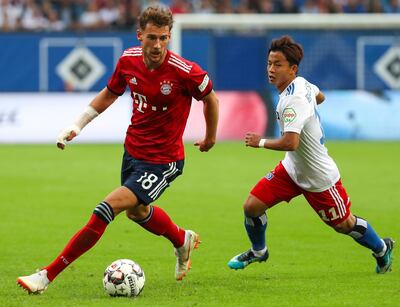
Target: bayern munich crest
column 166, row 87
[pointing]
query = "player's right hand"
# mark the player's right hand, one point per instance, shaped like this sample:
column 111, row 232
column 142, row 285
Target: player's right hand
column 205, row 145
column 67, row 135
column 252, row 139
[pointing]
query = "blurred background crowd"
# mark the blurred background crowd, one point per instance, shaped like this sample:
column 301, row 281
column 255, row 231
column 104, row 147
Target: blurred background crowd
column 59, row 15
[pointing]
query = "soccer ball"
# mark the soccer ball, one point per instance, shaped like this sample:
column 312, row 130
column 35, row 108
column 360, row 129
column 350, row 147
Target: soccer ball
column 124, row 277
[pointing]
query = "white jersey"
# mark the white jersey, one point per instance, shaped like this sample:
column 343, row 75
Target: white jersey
column 309, row 166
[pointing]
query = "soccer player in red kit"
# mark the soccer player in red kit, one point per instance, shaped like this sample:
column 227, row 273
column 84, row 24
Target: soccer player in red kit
column 162, row 85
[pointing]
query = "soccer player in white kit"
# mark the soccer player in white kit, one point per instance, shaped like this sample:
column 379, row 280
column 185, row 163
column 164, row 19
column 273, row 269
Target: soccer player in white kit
column 307, row 168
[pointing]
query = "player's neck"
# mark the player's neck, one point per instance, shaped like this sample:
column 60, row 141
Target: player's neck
column 154, row 65
column 284, row 85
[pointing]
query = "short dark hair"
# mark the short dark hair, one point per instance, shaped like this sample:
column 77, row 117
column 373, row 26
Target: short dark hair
column 292, row 50
column 157, row 15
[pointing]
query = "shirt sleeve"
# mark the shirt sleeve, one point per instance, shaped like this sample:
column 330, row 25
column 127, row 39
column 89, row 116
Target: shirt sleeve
column 199, row 84
column 117, row 83
column 295, row 114
column 315, row 89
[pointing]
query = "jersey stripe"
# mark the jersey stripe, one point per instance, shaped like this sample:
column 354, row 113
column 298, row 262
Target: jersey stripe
column 338, row 201
column 180, row 67
column 134, row 49
column 163, row 183
column 132, row 53
column 290, row 90
column 179, row 61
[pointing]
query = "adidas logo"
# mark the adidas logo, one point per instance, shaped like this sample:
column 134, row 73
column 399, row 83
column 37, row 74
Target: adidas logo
column 133, row 81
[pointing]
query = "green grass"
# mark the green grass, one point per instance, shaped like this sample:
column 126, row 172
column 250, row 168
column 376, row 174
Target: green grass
column 47, row 195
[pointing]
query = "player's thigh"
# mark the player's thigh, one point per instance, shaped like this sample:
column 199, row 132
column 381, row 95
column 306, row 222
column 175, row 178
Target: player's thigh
column 148, row 181
column 332, row 205
column 275, row 187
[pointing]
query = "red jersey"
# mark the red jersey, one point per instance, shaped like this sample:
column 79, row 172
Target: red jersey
column 161, row 103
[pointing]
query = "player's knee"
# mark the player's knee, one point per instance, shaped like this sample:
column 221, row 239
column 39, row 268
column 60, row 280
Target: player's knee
column 130, row 215
column 138, row 213
column 253, row 207
column 340, row 228
column 346, row 226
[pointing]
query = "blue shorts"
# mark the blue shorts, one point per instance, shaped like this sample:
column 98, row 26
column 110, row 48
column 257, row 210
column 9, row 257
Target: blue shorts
column 148, row 180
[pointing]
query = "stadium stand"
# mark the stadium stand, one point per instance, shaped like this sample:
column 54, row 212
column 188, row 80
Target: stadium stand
column 78, row 15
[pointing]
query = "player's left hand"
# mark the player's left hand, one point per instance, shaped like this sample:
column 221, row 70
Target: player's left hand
column 205, row 145
column 252, row 139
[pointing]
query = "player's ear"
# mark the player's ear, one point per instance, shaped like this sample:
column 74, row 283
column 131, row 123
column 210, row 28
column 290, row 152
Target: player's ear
column 294, row 68
column 139, row 35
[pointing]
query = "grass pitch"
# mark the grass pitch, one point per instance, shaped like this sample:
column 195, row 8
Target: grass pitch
column 47, row 195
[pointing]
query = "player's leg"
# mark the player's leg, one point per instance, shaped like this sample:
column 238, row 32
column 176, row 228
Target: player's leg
column 159, row 223
column 364, row 234
column 255, row 222
column 156, row 220
column 333, row 206
column 148, row 181
column 82, row 241
column 270, row 190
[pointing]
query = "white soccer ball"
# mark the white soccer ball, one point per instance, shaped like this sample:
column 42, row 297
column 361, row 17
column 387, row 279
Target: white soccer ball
column 124, row 277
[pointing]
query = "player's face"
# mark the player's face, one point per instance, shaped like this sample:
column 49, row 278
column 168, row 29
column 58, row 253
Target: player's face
column 280, row 73
column 154, row 42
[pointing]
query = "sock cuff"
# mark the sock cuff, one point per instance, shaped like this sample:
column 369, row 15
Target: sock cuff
column 383, row 251
column 259, row 253
column 256, row 221
column 359, row 229
column 104, row 211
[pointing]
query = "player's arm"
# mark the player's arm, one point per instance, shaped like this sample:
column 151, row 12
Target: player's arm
column 289, row 141
column 320, row 97
column 210, row 110
column 99, row 104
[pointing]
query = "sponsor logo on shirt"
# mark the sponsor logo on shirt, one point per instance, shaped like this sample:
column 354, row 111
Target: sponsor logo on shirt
column 204, row 83
column 166, row 87
column 289, row 115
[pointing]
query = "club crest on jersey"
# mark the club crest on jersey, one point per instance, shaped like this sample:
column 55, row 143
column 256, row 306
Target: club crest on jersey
column 166, row 87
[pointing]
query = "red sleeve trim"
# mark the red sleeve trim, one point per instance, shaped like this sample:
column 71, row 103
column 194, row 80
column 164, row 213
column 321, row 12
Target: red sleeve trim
column 206, row 94
column 115, row 93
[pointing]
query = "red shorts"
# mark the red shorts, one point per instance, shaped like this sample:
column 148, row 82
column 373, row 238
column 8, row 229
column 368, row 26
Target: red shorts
column 332, row 205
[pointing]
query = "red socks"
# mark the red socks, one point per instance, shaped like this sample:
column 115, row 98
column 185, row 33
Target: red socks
column 159, row 223
column 81, row 242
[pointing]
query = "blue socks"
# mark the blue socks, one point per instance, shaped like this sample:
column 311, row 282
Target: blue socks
column 255, row 227
column 364, row 234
